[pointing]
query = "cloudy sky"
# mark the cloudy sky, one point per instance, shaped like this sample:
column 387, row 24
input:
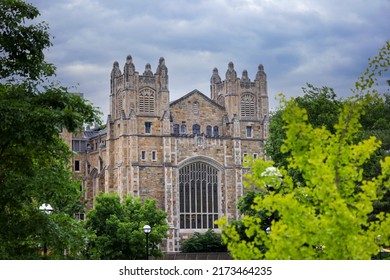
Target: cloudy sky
column 322, row 42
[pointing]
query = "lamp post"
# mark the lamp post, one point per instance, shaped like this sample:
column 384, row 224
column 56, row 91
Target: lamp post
column 47, row 209
column 268, row 230
column 147, row 229
column 378, row 238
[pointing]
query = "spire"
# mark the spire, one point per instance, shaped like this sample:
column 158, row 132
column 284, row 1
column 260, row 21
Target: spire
column 129, row 68
column 245, row 77
column 245, row 81
column 231, row 74
column 115, row 70
column 215, row 78
column 162, row 71
column 148, row 70
column 260, row 72
column 161, row 67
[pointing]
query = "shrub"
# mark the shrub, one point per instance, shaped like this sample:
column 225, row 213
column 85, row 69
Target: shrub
column 207, row 242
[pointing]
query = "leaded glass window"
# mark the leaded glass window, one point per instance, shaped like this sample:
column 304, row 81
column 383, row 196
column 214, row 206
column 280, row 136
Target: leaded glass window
column 248, row 105
column 198, row 196
column 146, row 101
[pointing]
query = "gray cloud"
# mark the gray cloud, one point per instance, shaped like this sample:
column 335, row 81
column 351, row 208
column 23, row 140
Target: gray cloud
column 324, row 42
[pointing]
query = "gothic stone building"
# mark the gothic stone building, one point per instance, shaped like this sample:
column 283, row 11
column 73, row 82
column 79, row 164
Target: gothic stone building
column 187, row 154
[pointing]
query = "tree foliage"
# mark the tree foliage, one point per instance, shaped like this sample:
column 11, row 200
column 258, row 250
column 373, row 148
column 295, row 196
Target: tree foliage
column 322, row 107
column 34, row 161
column 326, row 216
column 22, row 45
column 329, row 212
column 118, row 228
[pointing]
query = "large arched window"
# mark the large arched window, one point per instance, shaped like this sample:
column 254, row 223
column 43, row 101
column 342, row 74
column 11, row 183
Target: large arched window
column 198, row 195
column 247, row 105
column 146, row 100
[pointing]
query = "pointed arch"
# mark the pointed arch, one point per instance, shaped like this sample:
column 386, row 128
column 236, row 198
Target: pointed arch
column 199, row 191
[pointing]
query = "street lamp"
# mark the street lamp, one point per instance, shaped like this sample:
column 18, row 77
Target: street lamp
column 268, row 230
column 147, row 229
column 47, row 209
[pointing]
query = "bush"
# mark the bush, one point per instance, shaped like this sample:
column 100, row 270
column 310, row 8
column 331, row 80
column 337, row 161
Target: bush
column 201, row 243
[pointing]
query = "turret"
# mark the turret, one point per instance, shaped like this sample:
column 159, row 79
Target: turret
column 215, row 81
column 241, row 97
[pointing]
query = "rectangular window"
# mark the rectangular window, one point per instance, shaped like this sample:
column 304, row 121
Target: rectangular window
column 75, row 145
column 154, row 155
column 79, row 216
column 77, row 166
column 143, row 155
column 244, row 158
column 148, row 127
column 255, row 156
column 249, row 132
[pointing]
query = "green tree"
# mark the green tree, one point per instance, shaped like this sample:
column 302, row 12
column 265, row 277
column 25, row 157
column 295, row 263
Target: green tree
column 118, row 228
column 22, row 45
column 34, row 161
column 327, row 216
column 322, row 107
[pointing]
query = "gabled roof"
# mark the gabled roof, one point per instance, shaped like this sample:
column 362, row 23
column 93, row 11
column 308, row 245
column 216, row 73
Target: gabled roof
column 197, row 92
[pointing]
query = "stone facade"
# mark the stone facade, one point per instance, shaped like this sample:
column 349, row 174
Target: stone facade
column 187, row 154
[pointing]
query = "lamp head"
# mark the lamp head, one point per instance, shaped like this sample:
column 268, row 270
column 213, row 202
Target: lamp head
column 147, row 229
column 46, row 208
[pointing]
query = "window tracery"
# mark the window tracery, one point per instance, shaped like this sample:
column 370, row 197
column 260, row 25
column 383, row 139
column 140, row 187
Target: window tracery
column 147, row 101
column 198, row 196
column 247, row 105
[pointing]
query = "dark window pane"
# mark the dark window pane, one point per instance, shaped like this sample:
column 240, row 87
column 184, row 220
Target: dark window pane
column 196, row 129
column 216, row 131
column 208, row 130
column 176, row 129
column 148, row 127
column 182, row 221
